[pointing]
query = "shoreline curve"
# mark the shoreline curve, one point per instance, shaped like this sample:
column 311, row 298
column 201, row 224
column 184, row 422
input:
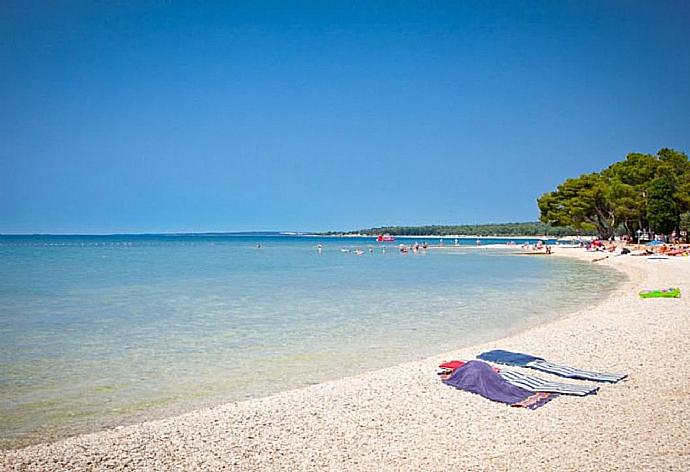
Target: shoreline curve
column 403, row 418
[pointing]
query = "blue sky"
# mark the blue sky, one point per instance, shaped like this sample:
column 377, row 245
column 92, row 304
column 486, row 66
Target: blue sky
column 187, row 116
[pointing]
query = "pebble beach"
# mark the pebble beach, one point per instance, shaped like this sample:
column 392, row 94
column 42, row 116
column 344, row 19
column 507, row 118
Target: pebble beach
column 403, row 418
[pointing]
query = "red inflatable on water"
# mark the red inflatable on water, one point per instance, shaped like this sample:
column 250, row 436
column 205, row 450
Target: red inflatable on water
column 384, row 238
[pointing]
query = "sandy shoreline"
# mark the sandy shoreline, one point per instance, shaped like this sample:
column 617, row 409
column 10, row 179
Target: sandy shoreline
column 403, row 418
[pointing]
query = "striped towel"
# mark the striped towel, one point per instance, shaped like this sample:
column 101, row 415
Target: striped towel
column 571, row 373
column 535, row 384
column 526, row 360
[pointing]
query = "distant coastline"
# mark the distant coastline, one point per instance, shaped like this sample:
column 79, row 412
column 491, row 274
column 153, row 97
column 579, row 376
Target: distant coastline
column 488, row 230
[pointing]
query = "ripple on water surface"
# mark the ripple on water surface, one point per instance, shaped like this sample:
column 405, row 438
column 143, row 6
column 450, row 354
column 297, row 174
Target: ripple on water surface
column 94, row 335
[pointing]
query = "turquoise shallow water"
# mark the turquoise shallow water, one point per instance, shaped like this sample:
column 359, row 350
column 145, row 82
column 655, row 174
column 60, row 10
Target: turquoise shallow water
column 99, row 331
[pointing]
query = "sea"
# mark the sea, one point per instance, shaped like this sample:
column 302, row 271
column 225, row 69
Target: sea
column 101, row 331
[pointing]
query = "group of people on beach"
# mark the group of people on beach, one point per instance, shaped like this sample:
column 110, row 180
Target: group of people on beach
column 598, row 245
column 539, row 246
column 649, row 249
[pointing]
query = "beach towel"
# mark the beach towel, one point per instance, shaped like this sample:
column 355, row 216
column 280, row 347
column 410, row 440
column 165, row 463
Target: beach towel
column 530, row 382
column 500, row 356
column 478, row 377
column 536, row 384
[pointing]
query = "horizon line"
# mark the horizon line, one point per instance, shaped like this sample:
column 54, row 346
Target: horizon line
column 285, row 232
column 150, row 233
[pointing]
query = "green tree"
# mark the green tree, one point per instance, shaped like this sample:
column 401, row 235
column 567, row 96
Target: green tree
column 662, row 210
column 673, row 164
column 626, row 205
column 582, row 202
column 629, row 181
column 621, row 195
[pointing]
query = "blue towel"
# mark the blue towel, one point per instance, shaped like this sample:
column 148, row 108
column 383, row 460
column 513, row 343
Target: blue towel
column 500, row 356
column 525, row 360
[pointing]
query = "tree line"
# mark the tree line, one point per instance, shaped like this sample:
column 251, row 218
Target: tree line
column 644, row 192
column 532, row 228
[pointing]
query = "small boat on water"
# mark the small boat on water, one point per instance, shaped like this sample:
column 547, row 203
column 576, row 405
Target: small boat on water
column 382, row 238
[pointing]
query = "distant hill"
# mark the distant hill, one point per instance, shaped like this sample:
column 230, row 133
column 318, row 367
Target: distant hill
column 531, row 228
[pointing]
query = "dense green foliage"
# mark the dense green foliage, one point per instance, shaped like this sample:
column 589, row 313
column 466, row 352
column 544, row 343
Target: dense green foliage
column 505, row 229
column 644, row 191
column 662, row 211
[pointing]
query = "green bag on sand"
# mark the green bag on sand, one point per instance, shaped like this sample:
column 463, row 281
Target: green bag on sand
column 673, row 292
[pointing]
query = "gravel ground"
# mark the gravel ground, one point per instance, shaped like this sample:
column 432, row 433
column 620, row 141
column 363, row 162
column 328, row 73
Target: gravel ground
column 404, row 418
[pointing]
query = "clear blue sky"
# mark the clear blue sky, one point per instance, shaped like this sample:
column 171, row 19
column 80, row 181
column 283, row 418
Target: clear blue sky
column 185, row 116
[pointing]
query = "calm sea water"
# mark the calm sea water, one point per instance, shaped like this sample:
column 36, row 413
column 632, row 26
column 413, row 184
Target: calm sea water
column 100, row 331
